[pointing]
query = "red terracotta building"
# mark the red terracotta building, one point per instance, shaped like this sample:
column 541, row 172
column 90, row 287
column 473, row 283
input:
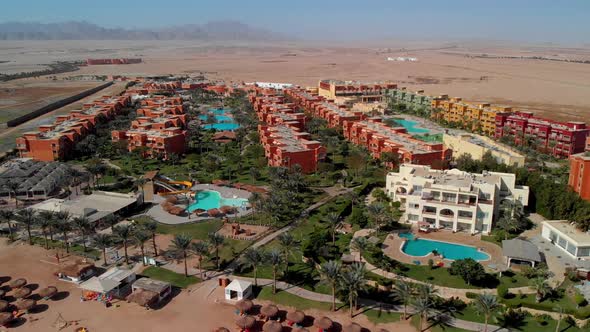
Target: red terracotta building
column 579, row 179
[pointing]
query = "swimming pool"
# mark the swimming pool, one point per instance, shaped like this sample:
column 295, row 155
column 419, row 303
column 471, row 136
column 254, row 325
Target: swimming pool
column 224, row 122
column 452, row 251
column 411, row 126
column 210, row 199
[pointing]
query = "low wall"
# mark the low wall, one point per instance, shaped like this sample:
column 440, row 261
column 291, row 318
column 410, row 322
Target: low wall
column 55, row 105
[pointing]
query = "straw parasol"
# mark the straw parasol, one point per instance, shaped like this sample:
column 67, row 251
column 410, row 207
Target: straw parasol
column 244, row 305
column 352, row 327
column 299, row 329
column 3, row 305
column 226, row 209
column 272, row 326
column 17, row 283
column 296, row 316
column 25, row 304
column 2, row 293
column 21, row 293
column 324, row 323
column 48, row 292
column 5, row 318
column 269, row 310
column 246, row 322
column 221, row 329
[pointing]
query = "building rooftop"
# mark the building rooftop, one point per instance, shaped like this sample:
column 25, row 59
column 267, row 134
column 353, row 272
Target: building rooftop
column 581, row 239
column 490, row 145
column 151, row 285
column 289, row 139
column 393, row 134
column 33, row 175
column 521, row 249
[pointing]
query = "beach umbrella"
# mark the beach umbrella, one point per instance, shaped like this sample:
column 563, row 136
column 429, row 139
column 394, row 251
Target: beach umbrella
column 21, row 293
column 352, row 327
column 17, row 283
column 324, row 323
column 3, row 305
column 272, row 326
column 2, row 293
column 296, row 316
column 246, row 322
column 299, row 329
column 48, row 292
column 5, row 318
column 269, row 310
column 221, row 329
column 25, row 304
column 244, row 305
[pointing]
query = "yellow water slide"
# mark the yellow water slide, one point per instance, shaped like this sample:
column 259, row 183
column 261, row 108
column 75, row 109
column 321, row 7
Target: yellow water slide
column 187, row 187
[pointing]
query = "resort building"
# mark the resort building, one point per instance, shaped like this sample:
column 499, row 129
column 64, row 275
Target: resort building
column 587, row 144
column 115, row 282
column 453, row 199
column 476, row 146
column 343, row 92
column 472, row 116
column 37, row 179
column 149, row 292
column 560, row 139
column 579, row 179
column 286, row 147
column 564, row 235
column 57, row 141
column 379, row 138
column 412, row 99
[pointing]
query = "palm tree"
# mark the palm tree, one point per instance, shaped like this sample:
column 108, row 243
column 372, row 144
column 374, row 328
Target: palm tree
column 288, row 244
column 330, row 273
column 333, row 220
column 378, row 213
column 216, row 241
column 353, row 281
column 424, row 307
column 360, row 244
column 181, row 245
column 6, row 216
column 47, row 219
column 140, row 182
column 13, row 186
column 111, row 220
column 102, row 242
column 28, row 217
column 151, row 227
column 45, row 224
column 275, row 259
column 124, row 233
column 403, row 292
column 139, row 237
column 253, row 257
column 427, row 291
column 63, row 225
column 541, row 288
column 486, row 304
column 84, row 227
column 201, row 249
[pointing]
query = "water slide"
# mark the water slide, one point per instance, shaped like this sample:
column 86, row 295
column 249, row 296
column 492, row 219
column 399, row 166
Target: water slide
column 172, row 190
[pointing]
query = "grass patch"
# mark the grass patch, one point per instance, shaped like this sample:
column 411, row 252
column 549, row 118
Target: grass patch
column 176, row 279
column 378, row 316
column 76, row 249
column 288, row 299
column 197, row 231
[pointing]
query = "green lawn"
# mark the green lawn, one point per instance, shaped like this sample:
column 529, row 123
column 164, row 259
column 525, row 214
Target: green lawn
column 382, row 317
column 77, row 249
column 176, row 279
column 288, row 299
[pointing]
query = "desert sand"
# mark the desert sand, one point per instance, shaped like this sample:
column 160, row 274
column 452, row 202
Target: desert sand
column 197, row 309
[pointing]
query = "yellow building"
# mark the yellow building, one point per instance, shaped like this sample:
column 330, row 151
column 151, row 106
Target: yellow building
column 472, row 116
column 476, row 146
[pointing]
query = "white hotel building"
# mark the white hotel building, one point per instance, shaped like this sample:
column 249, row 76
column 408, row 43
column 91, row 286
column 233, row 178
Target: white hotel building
column 453, row 199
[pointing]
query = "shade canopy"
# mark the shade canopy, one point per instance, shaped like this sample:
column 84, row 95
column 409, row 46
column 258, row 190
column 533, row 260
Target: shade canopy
column 272, row 326
column 48, row 291
column 244, row 305
column 25, row 304
column 17, row 283
column 296, row 316
column 352, row 327
column 324, row 323
column 245, row 322
column 269, row 310
column 3, row 305
column 5, row 318
column 22, row 292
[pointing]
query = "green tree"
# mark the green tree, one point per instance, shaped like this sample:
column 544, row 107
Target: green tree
column 103, row 242
column 140, row 183
column 360, row 244
column 151, row 227
column 274, row 258
column 288, row 245
column 13, row 186
column 124, row 233
column 216, row 241
column 6, row 216
column 253, row 257
column 201, row 249
column 47, row 223
column 486, row 305
column 423, row 307
column 84, row 228
column 403, row 292
column 330, row 273
column 27, row 217
column 44, row 224
column 181, row 245
column 541, row 288
column 64, row 226
column 333, row 220
column 352, row 280
column 139, row 237
column 468, row 269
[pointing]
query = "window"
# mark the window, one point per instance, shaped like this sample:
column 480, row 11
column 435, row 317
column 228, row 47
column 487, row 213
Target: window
column 562, row 243
column 552, row 236
column 571, row 249
column 583, row 252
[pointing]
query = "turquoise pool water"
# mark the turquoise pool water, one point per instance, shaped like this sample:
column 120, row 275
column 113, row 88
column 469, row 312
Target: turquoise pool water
column 224, row 122
column 453, row 251
column 412, row 126
column 210, row 199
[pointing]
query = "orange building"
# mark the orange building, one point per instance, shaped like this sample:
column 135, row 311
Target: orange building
column 58, row 140
column 579, row 179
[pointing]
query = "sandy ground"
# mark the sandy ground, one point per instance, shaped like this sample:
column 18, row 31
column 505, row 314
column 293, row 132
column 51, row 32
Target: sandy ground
column 201, row 307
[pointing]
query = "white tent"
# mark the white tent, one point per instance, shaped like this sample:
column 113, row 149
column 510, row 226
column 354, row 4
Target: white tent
column 238, row 289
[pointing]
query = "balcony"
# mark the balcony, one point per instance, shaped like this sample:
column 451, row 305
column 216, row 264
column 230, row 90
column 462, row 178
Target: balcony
column 432, row 213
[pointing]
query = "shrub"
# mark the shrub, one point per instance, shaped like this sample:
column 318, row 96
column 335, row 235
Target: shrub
column 468, row 269
column 542, row 319
column 580, row 300
column 502, row 291
column 430, row 263
column 471, row 295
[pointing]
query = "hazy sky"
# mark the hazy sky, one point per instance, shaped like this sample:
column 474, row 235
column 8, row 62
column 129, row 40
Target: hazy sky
column 534, row 20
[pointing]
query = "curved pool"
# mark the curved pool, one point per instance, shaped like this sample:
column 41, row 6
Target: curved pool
column 411, row 126
column 452, row 251
column 210, row 199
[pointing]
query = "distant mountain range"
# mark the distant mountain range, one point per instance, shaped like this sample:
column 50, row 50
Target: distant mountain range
column 76, row 30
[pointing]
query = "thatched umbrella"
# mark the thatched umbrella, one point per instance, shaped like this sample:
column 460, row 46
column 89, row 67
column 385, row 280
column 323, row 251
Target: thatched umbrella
column 244, row 305
column 296, row 316
column 17, row 283
column 21, row 293
column 3, row 305
column 272, row 326
column 352, row 327
column 245, row 322
column 323, row 323
column 48, row 292
column 269, row 310
column 299, row 329
column 2, row 293
column 25, row 304
column 5, row 318
column 221, row 329
column 226, row 209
